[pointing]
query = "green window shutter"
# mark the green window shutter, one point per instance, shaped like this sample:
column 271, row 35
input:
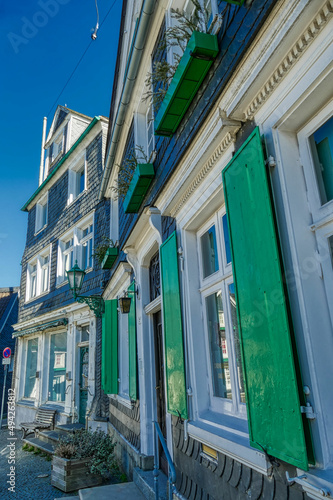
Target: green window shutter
column 110, row 347
column 132, row 344
column 173, row 331
column 273, row 402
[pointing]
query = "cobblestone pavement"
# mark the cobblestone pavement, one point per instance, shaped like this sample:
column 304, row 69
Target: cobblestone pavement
column 28, row 486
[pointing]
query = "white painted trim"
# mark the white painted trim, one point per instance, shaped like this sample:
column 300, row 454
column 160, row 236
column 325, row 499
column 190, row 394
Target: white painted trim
column 232, row 445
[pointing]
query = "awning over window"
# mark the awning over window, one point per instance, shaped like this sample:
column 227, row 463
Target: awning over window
column 41, row 327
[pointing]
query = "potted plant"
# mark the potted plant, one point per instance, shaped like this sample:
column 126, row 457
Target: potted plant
column 135, row 175
column 173, row 87
column 82, row 460
column 106, row 252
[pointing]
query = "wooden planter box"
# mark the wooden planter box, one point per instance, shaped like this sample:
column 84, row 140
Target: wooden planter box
column 109, row 258
column 69, row 475
column 141, row 180
column 198, row 57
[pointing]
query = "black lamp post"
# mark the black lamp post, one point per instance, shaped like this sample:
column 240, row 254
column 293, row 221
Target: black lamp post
column 75, row 278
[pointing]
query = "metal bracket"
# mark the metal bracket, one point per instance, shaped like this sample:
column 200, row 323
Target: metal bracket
column 308, row 410
column 310, row 488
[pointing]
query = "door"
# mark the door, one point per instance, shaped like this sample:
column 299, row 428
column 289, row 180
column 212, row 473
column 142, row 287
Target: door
column 83, row 384
column 160, row 389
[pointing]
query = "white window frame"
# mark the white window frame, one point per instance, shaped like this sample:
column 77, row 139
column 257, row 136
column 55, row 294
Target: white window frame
column 41, row 206
column 57, row 150
column 74, row 233
column 322, row 213
column 48, row 347
column 38, row 261
column 170, row 21
column 219, row 280
column 86, row 240
column 73, row 178
column 26, row 344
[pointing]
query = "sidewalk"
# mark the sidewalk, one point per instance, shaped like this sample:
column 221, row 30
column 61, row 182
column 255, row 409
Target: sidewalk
column 28, row 486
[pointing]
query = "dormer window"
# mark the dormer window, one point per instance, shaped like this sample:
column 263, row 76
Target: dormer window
column 57, row 147
column 41, row 214
column 77, row 179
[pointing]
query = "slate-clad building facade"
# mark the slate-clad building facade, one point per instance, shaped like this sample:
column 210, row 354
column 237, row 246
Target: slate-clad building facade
column 59, row 340
column 225, row 248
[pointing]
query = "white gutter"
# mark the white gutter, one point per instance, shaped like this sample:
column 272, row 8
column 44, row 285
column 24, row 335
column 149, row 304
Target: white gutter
column 132, row 73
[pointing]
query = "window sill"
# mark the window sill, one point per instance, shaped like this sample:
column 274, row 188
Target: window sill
column 69, row 203
column 29, row 301
column 26, row 402
column 231, row 441
column 40, row 230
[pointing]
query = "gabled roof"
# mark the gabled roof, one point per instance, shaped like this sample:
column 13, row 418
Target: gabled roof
column 59, row 116
column 63, row 159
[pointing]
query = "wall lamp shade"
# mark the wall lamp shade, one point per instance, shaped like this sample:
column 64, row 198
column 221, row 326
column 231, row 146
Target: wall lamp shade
column 75, row 278
column 124, row 304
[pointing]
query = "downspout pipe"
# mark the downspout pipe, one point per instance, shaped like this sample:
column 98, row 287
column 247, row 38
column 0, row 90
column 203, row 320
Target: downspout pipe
column 130, row 79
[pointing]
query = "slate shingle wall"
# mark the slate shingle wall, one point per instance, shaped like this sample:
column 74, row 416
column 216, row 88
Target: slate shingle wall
column 60, row 219
column 226, row 479
column 240, row 25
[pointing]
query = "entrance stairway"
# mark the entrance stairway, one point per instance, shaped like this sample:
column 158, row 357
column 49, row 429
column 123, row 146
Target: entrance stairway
column 47, row 440
column 142, row 488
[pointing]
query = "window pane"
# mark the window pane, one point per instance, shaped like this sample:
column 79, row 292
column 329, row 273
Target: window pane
column 33, row 284
column 239, row 366
column 322, row 151
column 30, row 373
column 57, row 376
column 226, row 239
column 210, row 262
column 81, row 181
column 218, row 346
column 44, row 214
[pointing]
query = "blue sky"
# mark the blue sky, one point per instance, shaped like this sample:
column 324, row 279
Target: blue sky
column 42, row 41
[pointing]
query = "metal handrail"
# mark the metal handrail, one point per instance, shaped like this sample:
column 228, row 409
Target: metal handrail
column 172, row 470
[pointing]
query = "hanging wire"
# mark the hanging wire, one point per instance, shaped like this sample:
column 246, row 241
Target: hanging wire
column 94, row 34
column 84, row 53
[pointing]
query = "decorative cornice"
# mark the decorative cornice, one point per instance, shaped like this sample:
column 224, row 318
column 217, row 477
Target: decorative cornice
column 228, row 139
column 303, row 42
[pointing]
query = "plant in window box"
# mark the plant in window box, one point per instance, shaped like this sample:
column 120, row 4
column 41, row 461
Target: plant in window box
column 134, row 178
column 106, row 253
column 173, row 87
column 83, row 459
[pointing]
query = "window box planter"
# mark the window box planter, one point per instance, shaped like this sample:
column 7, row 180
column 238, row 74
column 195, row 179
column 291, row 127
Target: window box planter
column 69, row 475
column 236, row 2
column 141, row 180
column 198, row 57
column 109, row 258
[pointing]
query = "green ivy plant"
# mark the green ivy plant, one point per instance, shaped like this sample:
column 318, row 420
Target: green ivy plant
column 158, row 80
column 100, row 250
column 127, row 168
column 97, row 446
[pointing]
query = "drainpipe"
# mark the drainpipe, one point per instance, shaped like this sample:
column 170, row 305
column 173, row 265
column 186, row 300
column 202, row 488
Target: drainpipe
column 131, row 75
column 41, row 167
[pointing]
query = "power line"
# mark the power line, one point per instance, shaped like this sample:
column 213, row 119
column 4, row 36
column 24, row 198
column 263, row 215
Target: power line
column 79, row 62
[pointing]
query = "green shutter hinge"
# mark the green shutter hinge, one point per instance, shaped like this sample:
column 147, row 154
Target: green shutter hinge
column 308, row 411
column 270, row 162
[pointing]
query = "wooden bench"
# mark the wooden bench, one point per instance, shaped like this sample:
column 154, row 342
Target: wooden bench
column 44, row 419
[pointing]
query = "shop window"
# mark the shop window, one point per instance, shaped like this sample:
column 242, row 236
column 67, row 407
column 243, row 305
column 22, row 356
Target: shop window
column 57, row 372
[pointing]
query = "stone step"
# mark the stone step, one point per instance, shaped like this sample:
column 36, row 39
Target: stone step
column 41, row 445
column 121, row 491
column 51, row 437
column 144, row 480
column 69, row 427
column 68, row 498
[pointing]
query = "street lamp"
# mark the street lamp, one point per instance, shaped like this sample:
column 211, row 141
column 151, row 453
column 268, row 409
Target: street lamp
column 75, row 278
column 125, row 301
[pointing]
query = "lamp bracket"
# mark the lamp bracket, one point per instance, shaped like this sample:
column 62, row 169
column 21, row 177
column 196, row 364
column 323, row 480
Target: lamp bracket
column 95, row 303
